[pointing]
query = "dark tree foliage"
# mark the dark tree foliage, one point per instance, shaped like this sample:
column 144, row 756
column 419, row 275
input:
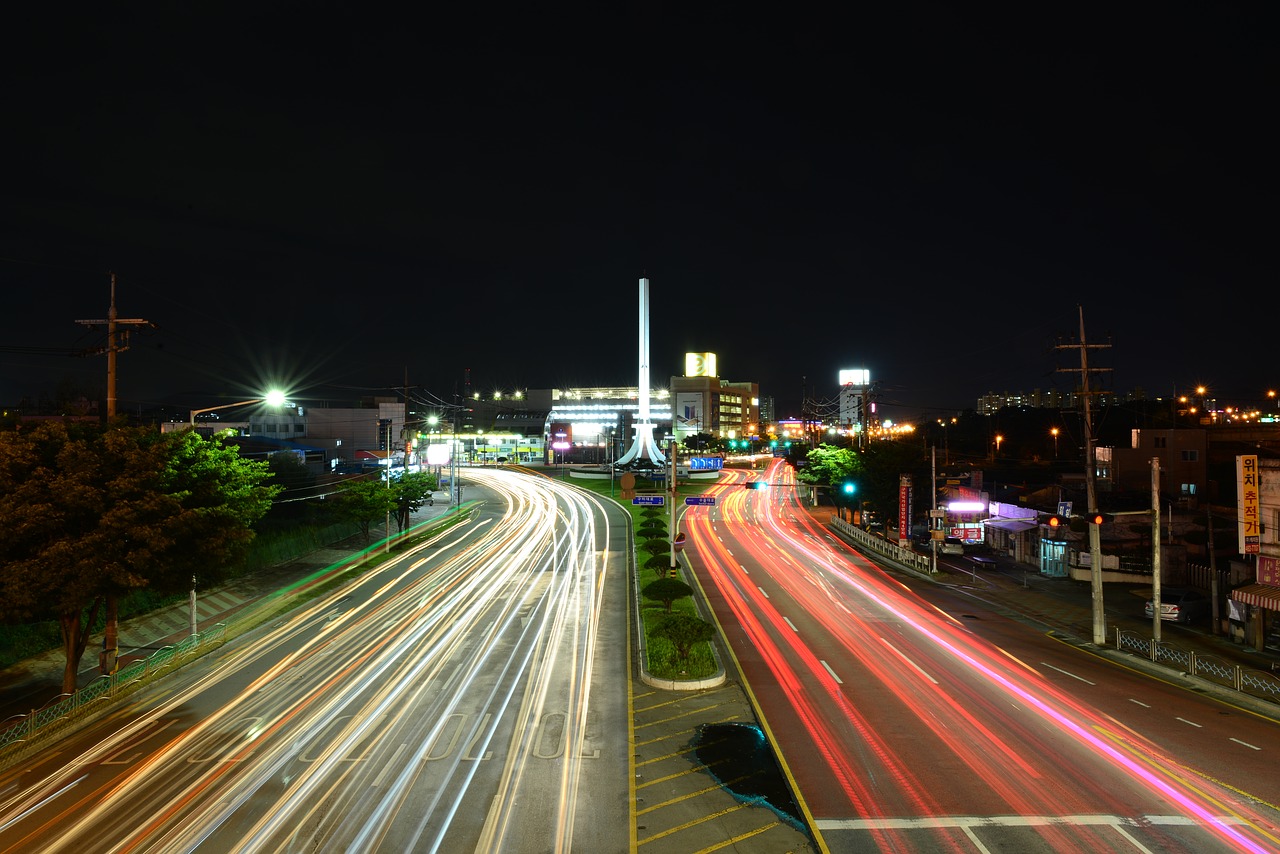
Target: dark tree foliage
column 91, row 513
column 666, row 591
column 683, row 631
column 362, row 502
column 411, row 490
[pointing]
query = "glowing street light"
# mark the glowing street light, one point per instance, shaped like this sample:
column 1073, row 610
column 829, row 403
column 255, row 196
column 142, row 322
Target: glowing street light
column 272, row 398
column 1053, row 431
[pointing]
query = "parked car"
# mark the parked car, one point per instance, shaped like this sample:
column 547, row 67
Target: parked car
column 1180, row 604
column 952, row 546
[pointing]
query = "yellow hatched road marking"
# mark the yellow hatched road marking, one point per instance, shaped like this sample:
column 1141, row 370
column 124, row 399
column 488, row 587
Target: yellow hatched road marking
column 689, row 824
column 703, row 791
column 735, row 840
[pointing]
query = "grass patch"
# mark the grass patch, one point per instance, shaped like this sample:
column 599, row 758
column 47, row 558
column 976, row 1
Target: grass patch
column 661, row 660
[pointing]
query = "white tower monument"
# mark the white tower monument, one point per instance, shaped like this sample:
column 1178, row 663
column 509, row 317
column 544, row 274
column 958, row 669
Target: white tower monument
column 644, row 451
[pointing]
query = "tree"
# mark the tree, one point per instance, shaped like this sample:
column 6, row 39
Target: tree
column 411, row 490
column 659, row 563
column 683, row 631
column 666, row 591
column 651, row 531
column 829, row 465
column 91, row 513
column 362, row 502
column 290, row 474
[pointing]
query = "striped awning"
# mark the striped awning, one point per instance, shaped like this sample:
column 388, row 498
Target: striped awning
column 1259, row 596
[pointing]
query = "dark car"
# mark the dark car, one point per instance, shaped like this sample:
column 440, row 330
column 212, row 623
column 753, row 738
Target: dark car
column 1180, row 605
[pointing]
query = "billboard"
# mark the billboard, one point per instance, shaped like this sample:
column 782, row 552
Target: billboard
column 855, row 376
column 688, row 412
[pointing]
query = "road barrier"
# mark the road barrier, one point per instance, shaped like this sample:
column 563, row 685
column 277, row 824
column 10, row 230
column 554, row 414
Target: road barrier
column 1256, row 683
column 899, row 554
column 67, row 707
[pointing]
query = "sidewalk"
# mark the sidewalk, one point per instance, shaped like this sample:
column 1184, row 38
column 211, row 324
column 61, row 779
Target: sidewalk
column 36, row 682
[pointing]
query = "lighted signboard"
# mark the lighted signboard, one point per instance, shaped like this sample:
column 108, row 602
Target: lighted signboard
column 705, row 463
column 855, row 376
column 700, row 365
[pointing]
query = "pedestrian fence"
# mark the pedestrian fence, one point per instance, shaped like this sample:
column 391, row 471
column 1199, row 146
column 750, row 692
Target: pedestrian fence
column 900, row 554
column 67, row 707
column 1257, row 683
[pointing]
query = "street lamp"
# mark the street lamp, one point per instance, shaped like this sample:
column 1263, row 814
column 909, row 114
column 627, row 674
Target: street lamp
column 996, row 452
column 1054, row 432
column 273, row 398
column 946, row 440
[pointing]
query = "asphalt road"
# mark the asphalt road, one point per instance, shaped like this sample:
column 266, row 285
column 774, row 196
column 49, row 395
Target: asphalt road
column 460, row 697
column 908, row 724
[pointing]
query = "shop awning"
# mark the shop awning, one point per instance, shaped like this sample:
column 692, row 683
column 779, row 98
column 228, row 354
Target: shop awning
column 1013, row 526
column 1258, row 595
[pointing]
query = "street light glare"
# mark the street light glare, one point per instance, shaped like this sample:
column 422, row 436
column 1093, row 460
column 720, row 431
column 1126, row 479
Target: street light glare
column 275, row 397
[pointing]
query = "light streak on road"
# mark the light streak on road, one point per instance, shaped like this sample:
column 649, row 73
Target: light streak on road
column 442, row 701
column 918, row 690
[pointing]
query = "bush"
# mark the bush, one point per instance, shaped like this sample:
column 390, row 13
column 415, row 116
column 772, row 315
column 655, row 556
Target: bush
column 666, row 591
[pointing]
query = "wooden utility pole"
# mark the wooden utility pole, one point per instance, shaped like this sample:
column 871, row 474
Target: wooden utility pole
column 117, row 342
column 1090, row 479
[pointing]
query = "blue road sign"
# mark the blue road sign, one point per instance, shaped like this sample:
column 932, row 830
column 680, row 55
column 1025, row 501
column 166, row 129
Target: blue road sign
column 657, row 500
column 700, row 500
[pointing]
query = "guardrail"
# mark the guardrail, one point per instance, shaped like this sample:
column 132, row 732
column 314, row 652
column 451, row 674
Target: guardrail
column 1256, row 683
column 67, row 707
column 899, row 554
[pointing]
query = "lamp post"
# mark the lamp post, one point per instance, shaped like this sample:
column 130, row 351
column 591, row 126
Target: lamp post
column 1054, row 433
column 387, row 475
column 946, row 440
column 995, row 452
column 272, row 398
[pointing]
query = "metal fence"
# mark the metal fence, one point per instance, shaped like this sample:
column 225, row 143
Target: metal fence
column 67, row 707
column 900, row 554
column 1257, row 683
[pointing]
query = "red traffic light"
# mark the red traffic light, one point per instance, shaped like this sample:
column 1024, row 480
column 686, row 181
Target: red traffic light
column 1098, row 518
column 1057, row 522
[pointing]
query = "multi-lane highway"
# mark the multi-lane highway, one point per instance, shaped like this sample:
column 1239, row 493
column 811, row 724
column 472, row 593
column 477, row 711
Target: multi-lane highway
column 905, row 728
column 453, row 699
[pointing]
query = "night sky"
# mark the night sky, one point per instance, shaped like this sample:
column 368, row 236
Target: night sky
column 336, row 197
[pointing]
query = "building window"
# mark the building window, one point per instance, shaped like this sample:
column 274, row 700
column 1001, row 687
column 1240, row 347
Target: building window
column 1191, row 456
column 1160, row 442
column 1188, row 489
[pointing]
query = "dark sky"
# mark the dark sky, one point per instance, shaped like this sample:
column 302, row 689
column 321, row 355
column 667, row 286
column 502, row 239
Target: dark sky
column 329, row 196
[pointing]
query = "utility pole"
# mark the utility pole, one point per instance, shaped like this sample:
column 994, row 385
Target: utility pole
column 1090, row 479
column 1213, row 575
column 1155, row 548
column 117, row 341
column 675, row 566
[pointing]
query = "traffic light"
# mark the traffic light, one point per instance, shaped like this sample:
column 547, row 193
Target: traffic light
column 755, row 484
column 1057, row 527
column 1098, row 518
column 849, row 487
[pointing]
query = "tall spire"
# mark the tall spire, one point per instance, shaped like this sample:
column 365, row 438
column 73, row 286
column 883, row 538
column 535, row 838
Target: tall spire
column 644, row 450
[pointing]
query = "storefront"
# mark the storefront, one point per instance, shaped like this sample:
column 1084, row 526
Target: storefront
column 1262, row 600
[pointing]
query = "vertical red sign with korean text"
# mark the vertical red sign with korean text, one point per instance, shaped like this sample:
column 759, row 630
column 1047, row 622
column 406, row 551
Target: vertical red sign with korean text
column 1247, row 490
